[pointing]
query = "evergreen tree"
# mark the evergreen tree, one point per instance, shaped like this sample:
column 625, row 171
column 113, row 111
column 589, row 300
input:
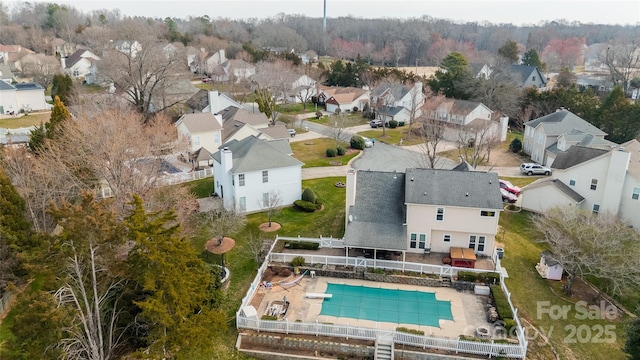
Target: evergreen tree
column 632, row 345
column 62, row 86
column 618, row 117
column 15, row 232
column 450, row 78
column 174, row 286
column 36, row 140
column 509, row 51
column 59, row 114
column 531, row 58
column 266, row 103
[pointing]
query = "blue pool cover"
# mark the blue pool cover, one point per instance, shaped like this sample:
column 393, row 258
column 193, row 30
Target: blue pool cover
column 385, row 305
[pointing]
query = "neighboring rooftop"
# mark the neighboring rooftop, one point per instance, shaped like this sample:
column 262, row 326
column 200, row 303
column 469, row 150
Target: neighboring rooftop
column 200, row 122
column 253, row 154
column 564, row 188
column 562, row 122
column 576, row 155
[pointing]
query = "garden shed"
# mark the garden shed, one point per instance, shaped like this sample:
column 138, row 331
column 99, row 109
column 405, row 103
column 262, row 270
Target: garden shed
column 549, row 267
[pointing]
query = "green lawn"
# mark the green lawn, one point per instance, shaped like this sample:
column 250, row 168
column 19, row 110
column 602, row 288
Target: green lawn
column 33, row 119
column 295, row 108
column 353, row 119
column 530, row 292
column 393, row 136
column 313, row 153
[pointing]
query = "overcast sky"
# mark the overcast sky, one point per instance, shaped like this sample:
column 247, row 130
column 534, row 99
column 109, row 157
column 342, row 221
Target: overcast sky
column 625, row 12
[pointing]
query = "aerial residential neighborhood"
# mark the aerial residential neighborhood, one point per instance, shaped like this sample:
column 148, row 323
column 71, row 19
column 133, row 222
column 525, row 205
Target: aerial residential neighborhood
column 316, row 187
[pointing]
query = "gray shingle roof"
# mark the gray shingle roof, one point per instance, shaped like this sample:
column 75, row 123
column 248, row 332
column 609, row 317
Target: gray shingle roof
column 253, row 154
column 453, row 188
column 379, row 212
column 463, row 166
column 575, row 155
column 5, row 86
column 562, row 122
column 564, row 188
column 398, row 91
column 28, row 86
column 522, row 73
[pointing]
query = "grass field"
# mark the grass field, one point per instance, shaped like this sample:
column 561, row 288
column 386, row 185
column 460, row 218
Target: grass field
column 393, row 136
column 313, row 153
column 33, row 119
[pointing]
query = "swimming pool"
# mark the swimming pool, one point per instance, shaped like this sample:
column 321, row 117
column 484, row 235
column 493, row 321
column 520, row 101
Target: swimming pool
column 385, row 305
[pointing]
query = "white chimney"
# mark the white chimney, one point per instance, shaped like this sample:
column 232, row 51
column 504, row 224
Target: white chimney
column 214, row 102
column 226, row 160
column 63, row 62
column 218, row 118
column 351, row 193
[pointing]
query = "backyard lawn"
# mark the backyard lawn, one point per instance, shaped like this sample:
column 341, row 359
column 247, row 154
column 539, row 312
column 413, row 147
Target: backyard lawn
column 33, row 119
column 393, row 136
column 313, row 153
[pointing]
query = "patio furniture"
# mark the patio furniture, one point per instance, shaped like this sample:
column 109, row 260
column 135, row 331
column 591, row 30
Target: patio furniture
column 462, row 257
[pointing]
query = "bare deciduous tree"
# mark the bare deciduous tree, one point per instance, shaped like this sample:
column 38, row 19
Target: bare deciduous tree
column 399, row 50
column 622, row 60
column 270, row 202
column 145, row 75
column 256, row 246
column 339, row 125
column 95, row 333
column 588, row 245
column 432, row 131
column 474, row 143
column 221, row 222
column 41, row 68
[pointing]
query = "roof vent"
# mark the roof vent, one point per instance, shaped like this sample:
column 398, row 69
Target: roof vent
column 411, row 179
column 621, row 149
column 425, row 193
column 467, row 194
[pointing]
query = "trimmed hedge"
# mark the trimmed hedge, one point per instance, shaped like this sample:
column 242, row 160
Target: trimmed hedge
column 502, row 304
column 341, row 151
column 489, row 278
column 305, row 206
column 393, row 124
column 303, row 245
column 309, row 195
column 357, row 142
column 332, row 152
column 410, row 331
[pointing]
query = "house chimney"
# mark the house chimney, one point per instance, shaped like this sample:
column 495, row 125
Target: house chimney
column 218, row 118
column 63, row 62
column 214, row 102
column 351, row 192
column 226, row 160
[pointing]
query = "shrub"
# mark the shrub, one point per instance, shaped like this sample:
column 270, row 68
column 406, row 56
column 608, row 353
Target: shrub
column 332, row 152
column 510, row 325
column 341, row 151
column 298, row 261
column 305, row 206
column 490, row 278
column 305, row 245
column 393, row 124
column 318, row 114
column 515, row 146
column 338, row 111
column 355, row 109
column 309, row 195
column 401, row 123
column 269, row 317
column 267, row 275
column 357, row 142
column 284, row 272
column 502, row 304
column 365, row 108
column 410, row 331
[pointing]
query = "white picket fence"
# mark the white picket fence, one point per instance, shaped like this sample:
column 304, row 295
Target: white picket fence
column 490, row 349
column 168, row 179
column 324, row 242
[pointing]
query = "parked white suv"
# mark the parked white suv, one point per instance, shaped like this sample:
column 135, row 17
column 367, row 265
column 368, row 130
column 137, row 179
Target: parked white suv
column 534, row 169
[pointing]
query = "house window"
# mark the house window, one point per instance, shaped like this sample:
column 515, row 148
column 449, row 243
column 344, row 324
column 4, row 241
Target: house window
column 196, row 140
column 413, row 242
column 243, row 203
column 472, row 242
column 265, row 199
column 240, row 179
column 527, row 130
column 423, row 241
column 539, row 139
column 440, row 214
column 216, row 138
column 596, row 209
column 594, row 184
column 481, row 241
column 533, row 78
column 487, row 213
column 265, row 176
column 446, row 238
column 636, row 193
column 572, row 182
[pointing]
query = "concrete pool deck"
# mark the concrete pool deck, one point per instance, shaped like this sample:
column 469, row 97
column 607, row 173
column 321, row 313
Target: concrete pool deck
column 468, row 309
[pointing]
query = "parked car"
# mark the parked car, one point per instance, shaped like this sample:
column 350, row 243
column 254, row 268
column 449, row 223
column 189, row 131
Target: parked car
column 507, row 185
column 534, row 169
column 507, row 196
column 292, row 132
column 207, row 80
column 375, row 123
column 367, row 141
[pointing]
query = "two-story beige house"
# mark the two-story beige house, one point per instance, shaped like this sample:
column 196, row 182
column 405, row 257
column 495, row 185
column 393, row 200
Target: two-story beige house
column 422, row 210
column 546, row 136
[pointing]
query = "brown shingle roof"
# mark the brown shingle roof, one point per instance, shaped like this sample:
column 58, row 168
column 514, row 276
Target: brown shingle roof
column 200, row 122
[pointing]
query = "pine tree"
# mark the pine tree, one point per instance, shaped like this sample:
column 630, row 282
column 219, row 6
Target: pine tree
column 15, row 230
column 59, row 114
column 62, row 86
column 174, row 286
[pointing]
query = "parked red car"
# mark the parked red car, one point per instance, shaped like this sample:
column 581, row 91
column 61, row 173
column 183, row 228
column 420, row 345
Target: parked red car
column 504, row 184
column 507, row 196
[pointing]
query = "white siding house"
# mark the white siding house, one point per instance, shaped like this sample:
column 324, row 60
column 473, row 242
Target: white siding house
column 593, row 179
column 202, row 130
column 21, row 97
column 249, row 171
